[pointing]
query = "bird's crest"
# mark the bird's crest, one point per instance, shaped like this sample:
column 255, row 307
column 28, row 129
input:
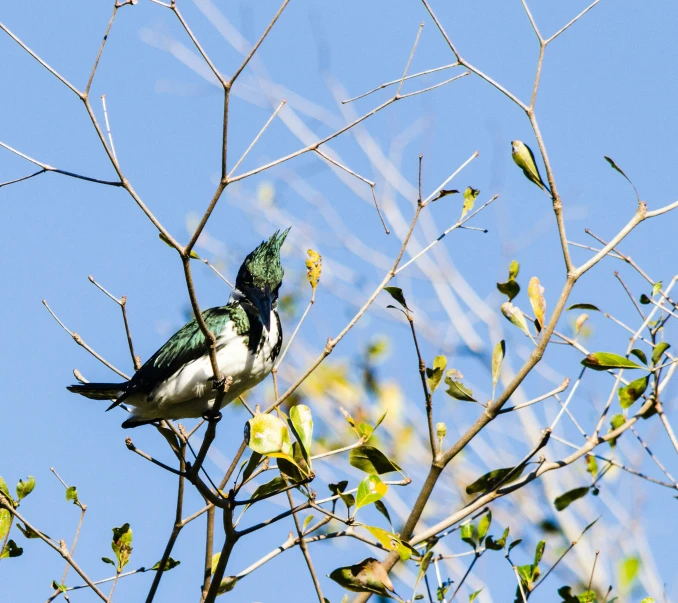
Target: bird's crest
column 262, row 268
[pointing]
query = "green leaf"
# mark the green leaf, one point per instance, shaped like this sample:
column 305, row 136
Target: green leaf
column 370, row 490
column 24, row 488
column 658, row 351
column 473, row 595
column 539, row 552
column 268, row 489
column 591, row 465
column 602, row 361
column 616, row 422
column 514, row 269
column 588, row 596
column 628, row 571
column 615, row 167
column 631, row 392
column 497, row 545
column 470, row 195
column 338, row 490
column 371, row 460
column 72, row 494
column 493, row 478
column 368, row 576
column 227, row 584
column 11, row 549
column 268, row 435
column 397, row 294
column 5, row 523
column 254, row 461
column 564, row 500
column 423, row 568
column 640, row 355
column 656, row 288
column 456, row 389
column 122, row 545
column 514, row 544
column 28, row 532
column 644, row 299
column 515, row 316
column 59, row 587
column 510, row 288
column 498, row 355
column 444, row 193
column 647, row 600
column 381, row 507
column 584, row 307
column 302, row 423
column 484, row 526
column 435, row 374
column 391, row 541
column 469, row 534
column 169, row 564
column 107, row 560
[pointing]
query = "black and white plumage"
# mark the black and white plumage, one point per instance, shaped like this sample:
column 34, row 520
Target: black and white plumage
column 177, row 381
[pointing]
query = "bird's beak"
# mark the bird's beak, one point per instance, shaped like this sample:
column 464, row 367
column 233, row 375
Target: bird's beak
column 264, row 303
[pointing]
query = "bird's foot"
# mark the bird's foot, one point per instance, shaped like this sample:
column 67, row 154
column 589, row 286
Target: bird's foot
column 212, row 416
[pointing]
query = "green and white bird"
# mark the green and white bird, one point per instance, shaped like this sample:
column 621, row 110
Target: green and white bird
column 177, row 381
column 524, row 159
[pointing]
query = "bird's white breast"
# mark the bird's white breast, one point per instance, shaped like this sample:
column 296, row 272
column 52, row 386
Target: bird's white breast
column 189, row 391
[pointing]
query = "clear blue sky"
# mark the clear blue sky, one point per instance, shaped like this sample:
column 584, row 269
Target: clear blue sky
column 608, row 88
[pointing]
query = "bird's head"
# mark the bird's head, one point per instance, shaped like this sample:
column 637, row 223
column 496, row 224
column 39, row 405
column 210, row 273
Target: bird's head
column 260, row 276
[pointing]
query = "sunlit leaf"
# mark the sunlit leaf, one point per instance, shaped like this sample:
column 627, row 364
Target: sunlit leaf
column 391, row 541
column 314, row 267
column 515, row 316
column 268, row 435
column 579, row 323
column 497, row 359
column 368, row 576
column 423, row 568
column 468, row 534
column 122, row 545
column 628, row 571
column 658, row 351
column 539, row 551
column 535, row 293
column 591, row 465
column 470, row 195
column 72, row 494
column 59, row 587
column 484, row 526
column 435, row 374
column 601, row 361
column 615, row 423
column 302, row 422
column 631, row 392
column 24, row 488
column 371, row 460
column 371, row 489
column 640, row 355
column 473, row 595
column 169, row 564
column 656, row 288
column 564, row 500
column 227, row 584
column 456, row 388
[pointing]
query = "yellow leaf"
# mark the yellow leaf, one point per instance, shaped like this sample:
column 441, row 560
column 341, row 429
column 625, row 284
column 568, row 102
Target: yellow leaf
column 536, row 294
column 314, row 266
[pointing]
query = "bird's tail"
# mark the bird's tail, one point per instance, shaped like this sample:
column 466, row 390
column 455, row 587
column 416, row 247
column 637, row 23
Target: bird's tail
column 98, row 391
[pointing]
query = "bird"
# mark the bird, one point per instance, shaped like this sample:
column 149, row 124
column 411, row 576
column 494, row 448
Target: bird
column 524, row 159
column 177, row 382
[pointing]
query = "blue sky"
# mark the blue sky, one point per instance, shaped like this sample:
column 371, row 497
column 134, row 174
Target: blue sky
column 608, row 88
